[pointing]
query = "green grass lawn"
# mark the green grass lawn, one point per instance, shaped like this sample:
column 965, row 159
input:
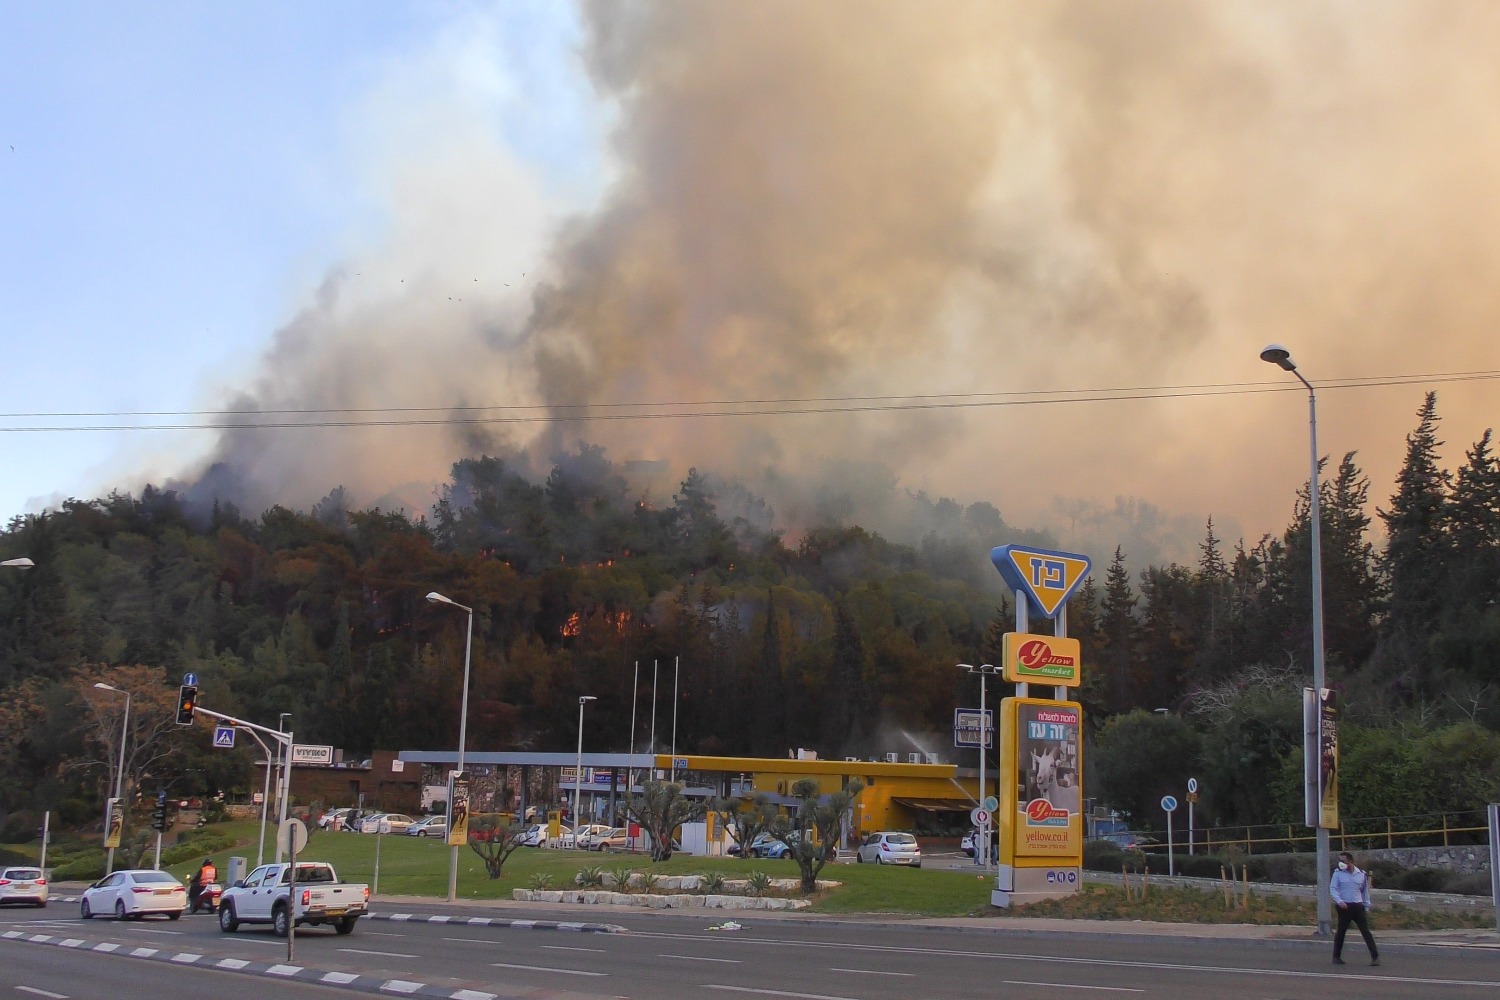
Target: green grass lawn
column 415, row 866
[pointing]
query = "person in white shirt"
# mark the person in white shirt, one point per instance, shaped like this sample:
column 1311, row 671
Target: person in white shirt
column 1350, row 889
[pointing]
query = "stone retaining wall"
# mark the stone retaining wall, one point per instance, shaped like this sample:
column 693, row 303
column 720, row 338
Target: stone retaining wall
column 676, row 901
column 1470, row 860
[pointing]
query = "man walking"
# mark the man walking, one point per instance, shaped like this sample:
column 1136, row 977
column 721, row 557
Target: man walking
column 1350, row 889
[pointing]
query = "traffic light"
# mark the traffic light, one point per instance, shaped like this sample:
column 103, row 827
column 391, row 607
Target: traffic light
column 159, row 814
column 187, row 699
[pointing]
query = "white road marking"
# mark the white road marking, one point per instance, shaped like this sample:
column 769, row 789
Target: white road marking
column 150, row 930
column 382, row 954
column 543, row 968
column 1072, row 986
column 338, row 977
column 400, row 986
column 42, row 993
column 472, row 995
column 872, row 972
column 563, row 947
column 471, row 940
column 848, row 946
column 774, row 993
column 382, row 934
column 699, row 958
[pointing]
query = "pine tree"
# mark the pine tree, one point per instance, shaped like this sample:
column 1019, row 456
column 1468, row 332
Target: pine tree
column 1117, row 632
column 1212, row 588
column 1416, row 551
column 769, row 686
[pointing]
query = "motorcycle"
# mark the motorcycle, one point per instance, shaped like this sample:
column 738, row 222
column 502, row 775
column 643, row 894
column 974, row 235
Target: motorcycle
column 204, row 899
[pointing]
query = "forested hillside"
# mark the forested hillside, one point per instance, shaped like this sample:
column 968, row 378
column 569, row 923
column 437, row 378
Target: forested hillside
column 836, row 639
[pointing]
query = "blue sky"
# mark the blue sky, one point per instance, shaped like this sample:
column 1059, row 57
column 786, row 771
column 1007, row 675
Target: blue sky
column 177, row 177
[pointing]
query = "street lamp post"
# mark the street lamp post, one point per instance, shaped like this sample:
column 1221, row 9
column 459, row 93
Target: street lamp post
column 578, row 766
column 463, row 734
column 21, row 563
column 109, row 860
column 1277, row 355
column 982, row 836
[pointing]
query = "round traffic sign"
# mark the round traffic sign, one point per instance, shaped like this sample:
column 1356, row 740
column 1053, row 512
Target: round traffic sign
column 1169, row 803
column 190, row 680
column 980, row 817
column 291, row 837
column 991, row 803
column 1193, row 785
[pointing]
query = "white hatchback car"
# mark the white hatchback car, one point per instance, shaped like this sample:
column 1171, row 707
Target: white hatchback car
column 133, row 893
column 23, row 885
column 890, row 848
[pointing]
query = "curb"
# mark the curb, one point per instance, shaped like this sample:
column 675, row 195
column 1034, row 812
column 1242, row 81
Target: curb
column 534, row 925
column 268, row 970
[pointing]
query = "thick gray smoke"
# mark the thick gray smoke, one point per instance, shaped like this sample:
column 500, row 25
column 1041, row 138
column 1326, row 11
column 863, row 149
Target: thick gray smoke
column 836, row 199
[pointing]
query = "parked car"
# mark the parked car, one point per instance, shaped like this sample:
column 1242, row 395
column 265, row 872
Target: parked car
column 536, row 835
column 345, row 817
column 890, row 847
column 262, row 897
column 767, row 846
column 133, row 893
column 386, row 823
column 585, row 836
column 432, row 826
column 614, row 839
column 23, row 885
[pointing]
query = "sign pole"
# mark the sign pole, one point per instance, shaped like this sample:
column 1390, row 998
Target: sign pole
column 1494, row 811
column 982, row 849
column 1169, row 806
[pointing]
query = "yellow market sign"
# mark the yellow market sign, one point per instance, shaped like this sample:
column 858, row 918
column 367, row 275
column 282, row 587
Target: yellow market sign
column 1043, row 659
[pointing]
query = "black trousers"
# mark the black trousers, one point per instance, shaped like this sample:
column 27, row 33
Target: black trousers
column 1353, row 912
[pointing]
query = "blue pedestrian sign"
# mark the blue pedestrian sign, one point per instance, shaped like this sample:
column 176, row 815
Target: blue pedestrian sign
column 1169, row 803
column 190, row 680
column 224, row 736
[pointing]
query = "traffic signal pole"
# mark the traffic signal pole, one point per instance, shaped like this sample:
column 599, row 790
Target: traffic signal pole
column 284, row 739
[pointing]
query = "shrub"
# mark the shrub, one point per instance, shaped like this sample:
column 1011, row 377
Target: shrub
column 712, row 882
column 86, row 868
column 648, row 881
column 1383, row 871
column 539, row 880
column 1101, row 856
column 1421, row 880
column 589, row 878
column 621, row 878
column 759, row 883
column 9, row 857
column 1467, row 885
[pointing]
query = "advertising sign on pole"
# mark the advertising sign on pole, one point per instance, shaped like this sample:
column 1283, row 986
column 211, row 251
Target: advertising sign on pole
column 1042, row 659
column 304, row 754
column 114, row 823
column 1328, row 759
column 458, row 808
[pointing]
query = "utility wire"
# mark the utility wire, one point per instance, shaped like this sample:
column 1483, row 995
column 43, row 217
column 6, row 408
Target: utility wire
column 688, row 409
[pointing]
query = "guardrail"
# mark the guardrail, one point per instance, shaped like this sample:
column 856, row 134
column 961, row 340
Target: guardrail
column 1452, row 829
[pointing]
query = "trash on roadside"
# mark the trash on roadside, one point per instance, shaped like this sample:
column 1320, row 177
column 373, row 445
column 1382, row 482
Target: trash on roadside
column 728, row 925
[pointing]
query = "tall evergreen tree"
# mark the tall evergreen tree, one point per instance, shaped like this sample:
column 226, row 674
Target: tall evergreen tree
column 1117, row 632
column 769, row 701
column 1415, row 554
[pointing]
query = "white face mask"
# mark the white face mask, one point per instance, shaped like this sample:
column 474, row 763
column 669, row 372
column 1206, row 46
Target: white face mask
column 1343, row 866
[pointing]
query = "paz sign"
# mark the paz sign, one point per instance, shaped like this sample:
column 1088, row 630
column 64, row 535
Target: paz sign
column 1045, row 577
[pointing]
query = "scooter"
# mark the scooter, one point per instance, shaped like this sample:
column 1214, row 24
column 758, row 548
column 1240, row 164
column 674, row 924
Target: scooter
column 204, row 899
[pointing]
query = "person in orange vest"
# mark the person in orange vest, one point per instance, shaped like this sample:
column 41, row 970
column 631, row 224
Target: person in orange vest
column 206, row 876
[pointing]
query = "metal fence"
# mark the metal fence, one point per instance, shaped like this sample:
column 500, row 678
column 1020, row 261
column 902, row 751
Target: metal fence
column 1450, row 829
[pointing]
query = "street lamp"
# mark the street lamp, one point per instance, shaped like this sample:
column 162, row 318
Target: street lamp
column 21, row 563
column 982, row 841
column 109, row 860
column 578, row 765
column 463, row 734
column 1277, row 355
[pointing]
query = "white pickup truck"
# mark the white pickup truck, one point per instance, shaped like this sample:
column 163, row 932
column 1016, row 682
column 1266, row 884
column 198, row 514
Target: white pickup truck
column 261, row 898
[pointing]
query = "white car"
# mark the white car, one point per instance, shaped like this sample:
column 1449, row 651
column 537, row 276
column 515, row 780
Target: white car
column 890, row 848
column 386, row 823
column 585, row 838
column 23, row 885
column 536, row 835
column 133, row 893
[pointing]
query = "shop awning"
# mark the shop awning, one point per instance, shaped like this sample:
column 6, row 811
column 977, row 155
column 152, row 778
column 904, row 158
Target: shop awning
column 936, row 805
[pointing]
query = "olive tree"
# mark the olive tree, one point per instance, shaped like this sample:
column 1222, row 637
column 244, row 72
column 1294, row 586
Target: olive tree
column 660, row 809
column 811, row 834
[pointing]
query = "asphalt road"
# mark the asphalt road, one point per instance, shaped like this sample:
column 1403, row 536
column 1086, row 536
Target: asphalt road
column 669, row 957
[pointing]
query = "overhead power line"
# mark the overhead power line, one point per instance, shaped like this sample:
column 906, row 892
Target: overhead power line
column 539, row 413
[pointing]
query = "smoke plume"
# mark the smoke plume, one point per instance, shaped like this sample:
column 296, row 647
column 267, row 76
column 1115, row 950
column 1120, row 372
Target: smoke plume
column 854, row 199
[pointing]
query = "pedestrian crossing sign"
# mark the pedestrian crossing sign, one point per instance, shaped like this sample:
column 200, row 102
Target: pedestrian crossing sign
column 224, row 737
column 1046, row 578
